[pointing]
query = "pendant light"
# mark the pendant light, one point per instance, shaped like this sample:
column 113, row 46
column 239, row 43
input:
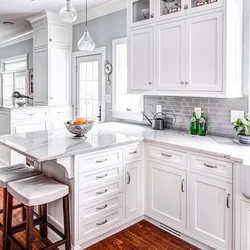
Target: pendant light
column 68, row 13
column 86, row 43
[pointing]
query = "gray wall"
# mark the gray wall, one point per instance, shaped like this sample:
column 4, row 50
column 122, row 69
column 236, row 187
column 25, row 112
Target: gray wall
column 24, row 47
column 103, row 30
column 112, row 26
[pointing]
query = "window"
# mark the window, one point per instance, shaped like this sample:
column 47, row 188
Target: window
column 14, row 77
column 125, row 106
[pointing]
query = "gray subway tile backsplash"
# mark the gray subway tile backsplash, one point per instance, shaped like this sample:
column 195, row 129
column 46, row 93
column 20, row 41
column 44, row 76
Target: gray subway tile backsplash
column 217, row 111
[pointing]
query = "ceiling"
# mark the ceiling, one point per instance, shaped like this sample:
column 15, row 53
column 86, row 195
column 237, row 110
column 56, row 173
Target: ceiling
column 18, row 10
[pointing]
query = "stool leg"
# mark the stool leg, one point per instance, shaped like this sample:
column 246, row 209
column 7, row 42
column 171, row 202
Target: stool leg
column 66, row 217
column 29, row 227
column 5, row 236
column 43, row 216
column 23, row 213
column 8, row 221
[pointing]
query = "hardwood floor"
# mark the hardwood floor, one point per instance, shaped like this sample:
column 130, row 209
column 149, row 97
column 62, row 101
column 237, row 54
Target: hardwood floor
column 141, row 236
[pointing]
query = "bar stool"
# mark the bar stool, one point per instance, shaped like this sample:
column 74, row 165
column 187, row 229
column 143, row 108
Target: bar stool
column 8, row 174
column 38, row 191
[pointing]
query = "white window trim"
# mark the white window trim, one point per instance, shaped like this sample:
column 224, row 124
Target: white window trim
column 120, row 114
column 13, row 60
column 75, row 55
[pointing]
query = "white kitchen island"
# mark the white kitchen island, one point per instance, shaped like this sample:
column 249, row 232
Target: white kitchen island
column 122, row 173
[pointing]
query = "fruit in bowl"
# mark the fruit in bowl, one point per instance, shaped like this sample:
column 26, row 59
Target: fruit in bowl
column 79, row 127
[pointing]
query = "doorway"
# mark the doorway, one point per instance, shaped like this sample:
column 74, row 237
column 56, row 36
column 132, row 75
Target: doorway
column 90, row 85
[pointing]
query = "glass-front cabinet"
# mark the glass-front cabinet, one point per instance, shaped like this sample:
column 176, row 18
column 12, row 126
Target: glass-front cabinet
column 167, row 9
column 141, row 12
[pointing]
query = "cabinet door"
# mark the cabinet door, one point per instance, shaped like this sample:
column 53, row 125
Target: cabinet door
column 204, row 51
column 140, row 59
column 245, row 226
column 59, row 123
column 211, row 210
column 167, row 194
column 59, row 35
column 169, row 9
column 140, row 12
column 170, row 56
column 41, row 76
column 195, row 6
column 40, row 36
column 133, row 190
column 59, row 75
column 24, row 127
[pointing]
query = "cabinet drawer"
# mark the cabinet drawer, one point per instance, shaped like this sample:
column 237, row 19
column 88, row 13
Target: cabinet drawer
column 59, row 112
column 96, row 193
column 100, row 207
column 99, row 160
column 29, row 114
column 133, row 152
column 168, row 155
column 99, row 176
column 91, row 227
column 212, row 166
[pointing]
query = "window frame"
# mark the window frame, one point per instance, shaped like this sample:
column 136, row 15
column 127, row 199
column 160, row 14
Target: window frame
column 121, row 114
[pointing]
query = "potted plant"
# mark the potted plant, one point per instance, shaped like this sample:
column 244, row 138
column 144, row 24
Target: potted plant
column 242, row 126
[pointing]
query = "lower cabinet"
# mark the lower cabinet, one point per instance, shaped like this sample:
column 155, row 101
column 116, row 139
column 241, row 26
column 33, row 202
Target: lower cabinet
column 245, row 226
column 167, row 196
column 133, row 190
column 29, row 126
column 211, row 210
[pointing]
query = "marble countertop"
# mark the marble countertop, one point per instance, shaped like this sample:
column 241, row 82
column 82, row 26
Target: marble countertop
column 48, row 145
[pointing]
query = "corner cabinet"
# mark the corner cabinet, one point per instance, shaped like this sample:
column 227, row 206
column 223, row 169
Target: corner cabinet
column 196, row 49
column 52, row 55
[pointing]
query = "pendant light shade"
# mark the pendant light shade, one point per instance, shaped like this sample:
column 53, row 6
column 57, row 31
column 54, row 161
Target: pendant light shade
column 86, row 43
column 68, row 13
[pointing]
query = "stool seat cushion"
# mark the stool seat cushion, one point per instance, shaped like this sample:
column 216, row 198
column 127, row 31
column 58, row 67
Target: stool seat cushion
column 37, row 190
column 15, row 172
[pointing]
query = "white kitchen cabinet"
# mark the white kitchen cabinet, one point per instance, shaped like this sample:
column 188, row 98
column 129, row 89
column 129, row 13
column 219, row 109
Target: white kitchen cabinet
column 134, row 190
column 167, row 197
column 170, row 56
column 59, row 81
column 245, row 226
column 194, row 53
column 204, row 51
column 140, row 59
column 51, row 59
column 141, row 12
column 211, row 210
column 29, row 126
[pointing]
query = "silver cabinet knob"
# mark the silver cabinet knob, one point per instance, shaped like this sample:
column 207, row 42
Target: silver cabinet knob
column 152, row 15
column 51, row 98
column 50, row 40
column 185, row 6
column 182, row 83
column 150, row 83
column 186, row 82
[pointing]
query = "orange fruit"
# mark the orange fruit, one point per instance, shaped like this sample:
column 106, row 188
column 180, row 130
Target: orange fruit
column 80, row 121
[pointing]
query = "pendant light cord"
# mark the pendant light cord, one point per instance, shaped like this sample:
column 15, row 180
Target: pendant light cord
column 86, row 15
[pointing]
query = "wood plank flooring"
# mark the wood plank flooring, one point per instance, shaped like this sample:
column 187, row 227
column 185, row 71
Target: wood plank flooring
column 141, row 236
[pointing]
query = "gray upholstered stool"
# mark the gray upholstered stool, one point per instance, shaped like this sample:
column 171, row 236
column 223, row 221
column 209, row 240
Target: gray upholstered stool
column 8, row 174
column 38, row 191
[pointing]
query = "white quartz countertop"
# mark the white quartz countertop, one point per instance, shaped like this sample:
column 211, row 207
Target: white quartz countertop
column 48, row 145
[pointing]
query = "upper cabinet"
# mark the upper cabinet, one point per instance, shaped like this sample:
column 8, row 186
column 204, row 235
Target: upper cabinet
column 196, row 48
column 52, row 54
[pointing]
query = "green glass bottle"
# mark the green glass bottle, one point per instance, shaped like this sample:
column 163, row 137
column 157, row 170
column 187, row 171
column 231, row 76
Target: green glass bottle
column 202, row 125
column 194, row 124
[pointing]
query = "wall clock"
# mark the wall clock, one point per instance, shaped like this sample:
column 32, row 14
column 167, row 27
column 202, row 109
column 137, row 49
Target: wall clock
column 108, row 71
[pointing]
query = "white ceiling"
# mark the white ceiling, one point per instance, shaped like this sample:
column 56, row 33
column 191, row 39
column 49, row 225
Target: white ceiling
column 18, row 10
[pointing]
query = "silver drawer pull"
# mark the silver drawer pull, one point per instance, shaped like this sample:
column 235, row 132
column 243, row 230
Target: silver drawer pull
column 129, row 178
column 133, row 153
column 102, row 192
column 101, row 177
column 101, row 223
column 209, row 166
column 182, row 186
column 31, row 114
column 101, row 208
column 166, row 155
column 101, row 161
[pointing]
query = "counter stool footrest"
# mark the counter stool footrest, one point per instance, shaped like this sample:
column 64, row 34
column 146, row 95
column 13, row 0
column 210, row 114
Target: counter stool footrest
column 54, row 245
column 55, row 230
column 16, row 242
column 21, row 227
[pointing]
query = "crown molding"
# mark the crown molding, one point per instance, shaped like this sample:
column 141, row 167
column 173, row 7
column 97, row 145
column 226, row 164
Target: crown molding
column 17, row 39
column 101, row 10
